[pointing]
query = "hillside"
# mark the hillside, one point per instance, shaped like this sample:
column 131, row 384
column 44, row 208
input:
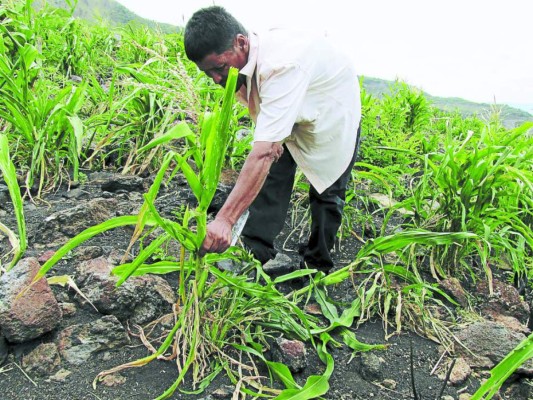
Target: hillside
column 510, row 116
column 109, row 10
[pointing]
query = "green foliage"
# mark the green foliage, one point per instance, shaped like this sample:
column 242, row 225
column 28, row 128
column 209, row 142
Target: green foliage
column 481, row 183
column 10, row 177
column 401, row 119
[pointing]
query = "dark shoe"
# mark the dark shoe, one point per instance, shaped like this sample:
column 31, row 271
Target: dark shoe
column 310, row 265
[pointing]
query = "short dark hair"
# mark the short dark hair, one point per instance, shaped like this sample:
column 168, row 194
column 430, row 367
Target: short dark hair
column 209, row 30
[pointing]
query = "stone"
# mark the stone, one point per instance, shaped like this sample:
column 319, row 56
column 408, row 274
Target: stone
column 389, row 384
column 60, row 376
column 460, row 372
column 223, row 393
column 371, row 367
column 487, row 343
column 64, row 224
column 114, row 183
column 32, row 314
column 45, row 256
column 4, row 349
column 68, row 309
column 113, row 380
column 141, row 299
column 84, row 253
column 281, row 264
column 292, row 353
column 505, row 300
column 519, row 390
column 78, row 343
column 42, row 360
column 76, row 193
column 453, row 288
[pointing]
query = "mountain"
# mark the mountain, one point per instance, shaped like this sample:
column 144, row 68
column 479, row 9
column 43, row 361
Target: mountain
column 511, row 117
column 109, row 10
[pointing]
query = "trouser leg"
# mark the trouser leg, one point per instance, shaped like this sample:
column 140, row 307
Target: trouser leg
column 326, row 218
column 269, row 209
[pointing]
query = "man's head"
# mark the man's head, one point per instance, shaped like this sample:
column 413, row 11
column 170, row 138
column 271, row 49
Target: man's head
column 216, row 41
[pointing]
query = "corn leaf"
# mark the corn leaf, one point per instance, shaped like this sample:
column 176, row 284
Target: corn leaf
column 10, row 177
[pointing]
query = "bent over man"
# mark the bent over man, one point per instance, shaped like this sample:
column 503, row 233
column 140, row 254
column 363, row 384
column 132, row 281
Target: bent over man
column 302, row 93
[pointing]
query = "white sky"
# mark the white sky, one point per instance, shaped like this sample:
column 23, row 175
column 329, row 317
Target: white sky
column 480, row 50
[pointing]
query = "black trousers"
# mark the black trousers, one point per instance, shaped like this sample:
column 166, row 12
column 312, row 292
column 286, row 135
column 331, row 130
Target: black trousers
column 269, row 211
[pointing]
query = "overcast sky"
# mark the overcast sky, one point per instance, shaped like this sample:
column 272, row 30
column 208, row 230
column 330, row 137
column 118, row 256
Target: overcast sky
column 480, row 50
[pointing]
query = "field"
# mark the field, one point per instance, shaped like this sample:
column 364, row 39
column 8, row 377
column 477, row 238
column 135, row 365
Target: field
column 116, row 151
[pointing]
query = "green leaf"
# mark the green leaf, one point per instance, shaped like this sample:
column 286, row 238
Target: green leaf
column 316, row 385
column 10, row 177
column 178, row 131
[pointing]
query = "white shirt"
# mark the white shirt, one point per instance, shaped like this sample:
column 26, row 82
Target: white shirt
column 303, row 91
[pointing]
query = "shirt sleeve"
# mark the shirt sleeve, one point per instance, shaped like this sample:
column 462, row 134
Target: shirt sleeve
column 282, row 94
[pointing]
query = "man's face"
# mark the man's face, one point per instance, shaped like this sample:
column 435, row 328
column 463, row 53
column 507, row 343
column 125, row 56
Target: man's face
column 217, row 66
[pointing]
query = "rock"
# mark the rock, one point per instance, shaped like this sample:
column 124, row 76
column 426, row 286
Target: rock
column 140, row 299
column 118, row 256
column 505, row 300
column 84, row 253
column 114, row 183
column 60, row 226
column 45, row 256
column 389, row 384
column 68, row 309
column 279, row 265
column 29, row 316
column 43, row 360
column 113, row 380
column 4, row 349
column 488, row 343
column 452, row 287
column 465, row 396
column 510, row 323
column 223, row 393
column 460, row 372
column 371, row 367
column 519, row 390
column 74, row 193
column 78, row 343
column 60, row 376
column 292, row 353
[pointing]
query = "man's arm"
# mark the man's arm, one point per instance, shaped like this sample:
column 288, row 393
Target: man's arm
column 249, row 183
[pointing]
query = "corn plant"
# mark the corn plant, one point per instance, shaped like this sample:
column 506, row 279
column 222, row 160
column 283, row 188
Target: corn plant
column 19, row 243
column 480, row 183
column 43, row 119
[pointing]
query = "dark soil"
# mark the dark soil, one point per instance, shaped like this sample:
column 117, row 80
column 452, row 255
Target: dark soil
column 349, row 379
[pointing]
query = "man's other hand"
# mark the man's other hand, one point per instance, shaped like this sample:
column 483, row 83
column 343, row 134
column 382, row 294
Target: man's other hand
column 218, row 237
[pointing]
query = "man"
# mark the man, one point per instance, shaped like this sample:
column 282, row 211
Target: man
column 303, row 96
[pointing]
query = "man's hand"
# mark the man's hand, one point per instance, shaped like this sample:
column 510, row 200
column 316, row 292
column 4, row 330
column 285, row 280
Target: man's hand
column 218, row 237
column 250, row 181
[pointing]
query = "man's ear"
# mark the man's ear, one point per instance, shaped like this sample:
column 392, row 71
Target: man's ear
column 241, row 42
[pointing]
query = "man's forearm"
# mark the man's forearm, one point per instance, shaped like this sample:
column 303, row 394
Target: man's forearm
column 250, row 180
